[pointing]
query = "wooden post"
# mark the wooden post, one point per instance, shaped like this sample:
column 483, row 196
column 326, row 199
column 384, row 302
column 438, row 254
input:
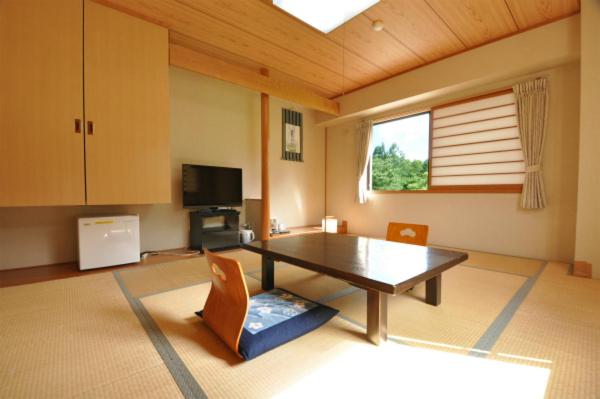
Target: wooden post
column 264, row 164
column 325, row 192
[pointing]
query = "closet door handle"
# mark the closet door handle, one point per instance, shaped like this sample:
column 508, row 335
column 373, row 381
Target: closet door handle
column 77, row 125
column 90, row 128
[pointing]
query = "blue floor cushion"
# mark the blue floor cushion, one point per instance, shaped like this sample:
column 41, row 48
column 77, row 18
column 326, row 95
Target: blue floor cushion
column 276, row 317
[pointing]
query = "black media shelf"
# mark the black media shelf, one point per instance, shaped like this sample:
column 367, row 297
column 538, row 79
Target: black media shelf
column 214, row 229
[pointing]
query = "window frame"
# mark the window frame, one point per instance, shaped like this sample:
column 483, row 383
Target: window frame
column 458, row 189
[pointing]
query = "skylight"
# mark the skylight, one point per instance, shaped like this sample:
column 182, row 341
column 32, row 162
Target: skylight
column 324, row 15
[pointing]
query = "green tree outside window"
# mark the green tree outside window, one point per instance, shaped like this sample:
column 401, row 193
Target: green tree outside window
column 392, row 170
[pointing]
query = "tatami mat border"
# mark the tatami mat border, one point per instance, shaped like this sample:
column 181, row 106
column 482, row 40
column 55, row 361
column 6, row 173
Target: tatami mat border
column 492, row 270
column 187, row 384
column 332, row 297
column 157, row 292
column 487, row 341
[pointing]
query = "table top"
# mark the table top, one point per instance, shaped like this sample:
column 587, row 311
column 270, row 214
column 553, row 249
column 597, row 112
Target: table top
column 386, row 266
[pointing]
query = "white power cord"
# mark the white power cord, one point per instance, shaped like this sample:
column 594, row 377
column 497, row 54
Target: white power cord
column 187, row 252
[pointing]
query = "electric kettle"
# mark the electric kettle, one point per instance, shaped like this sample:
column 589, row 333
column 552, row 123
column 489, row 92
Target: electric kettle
column 246, row 236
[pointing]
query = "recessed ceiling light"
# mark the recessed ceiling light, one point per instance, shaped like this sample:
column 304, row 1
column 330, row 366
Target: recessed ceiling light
column 325, row 15
column 377, row 25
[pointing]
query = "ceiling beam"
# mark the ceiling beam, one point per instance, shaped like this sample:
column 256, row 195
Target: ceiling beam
column 251, row 65
column 183, row 57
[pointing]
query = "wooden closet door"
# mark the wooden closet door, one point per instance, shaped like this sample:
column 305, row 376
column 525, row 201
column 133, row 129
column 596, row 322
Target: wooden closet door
column 41, row 95
column 127, row 102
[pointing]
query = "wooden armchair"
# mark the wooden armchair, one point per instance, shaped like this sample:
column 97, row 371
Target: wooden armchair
column 415, row 234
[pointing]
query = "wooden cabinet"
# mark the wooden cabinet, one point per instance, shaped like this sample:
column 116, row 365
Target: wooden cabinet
column 65, row 61
column 127, row 101
column 41, row 87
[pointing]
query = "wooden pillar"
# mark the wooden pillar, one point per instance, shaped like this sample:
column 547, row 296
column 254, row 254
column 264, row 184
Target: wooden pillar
column 587, row 250
column 264, row 164
column 325, row 192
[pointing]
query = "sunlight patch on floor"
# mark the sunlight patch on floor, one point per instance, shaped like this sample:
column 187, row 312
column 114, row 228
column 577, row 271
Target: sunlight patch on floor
column 441, row 345
column 371, row 371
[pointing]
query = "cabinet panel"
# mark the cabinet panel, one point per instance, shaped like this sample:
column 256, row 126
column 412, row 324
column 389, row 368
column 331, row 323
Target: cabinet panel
column 41, row 95
column 127, row 101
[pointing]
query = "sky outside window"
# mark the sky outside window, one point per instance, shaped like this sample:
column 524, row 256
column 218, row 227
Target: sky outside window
column 411, row 134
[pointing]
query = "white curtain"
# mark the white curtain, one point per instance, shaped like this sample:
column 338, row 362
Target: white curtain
column 363, row 145
column 532, row 108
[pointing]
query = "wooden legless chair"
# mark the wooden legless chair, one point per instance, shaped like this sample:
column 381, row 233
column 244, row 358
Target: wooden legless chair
column 228, row 301
column 406, row 233
column 415, row 234
column 228, row 304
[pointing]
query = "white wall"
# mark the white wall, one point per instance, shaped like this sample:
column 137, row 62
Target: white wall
column 487, row 222
column 212, row 122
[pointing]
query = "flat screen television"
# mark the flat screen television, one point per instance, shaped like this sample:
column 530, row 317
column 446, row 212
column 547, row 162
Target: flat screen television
column 211, row 186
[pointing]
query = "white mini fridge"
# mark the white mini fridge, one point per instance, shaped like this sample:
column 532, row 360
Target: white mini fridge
column 108, row 241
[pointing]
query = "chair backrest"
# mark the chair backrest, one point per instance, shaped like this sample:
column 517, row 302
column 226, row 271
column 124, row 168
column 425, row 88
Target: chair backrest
column 228, row 302
column 415, row 234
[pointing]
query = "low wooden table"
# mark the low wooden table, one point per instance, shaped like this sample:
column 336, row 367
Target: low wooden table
column 380, row 267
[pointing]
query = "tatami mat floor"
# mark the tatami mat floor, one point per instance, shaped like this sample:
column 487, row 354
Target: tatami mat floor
column 507, row 327
column 76, row 337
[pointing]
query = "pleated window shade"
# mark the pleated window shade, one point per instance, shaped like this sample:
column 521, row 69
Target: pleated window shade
column 477, row 143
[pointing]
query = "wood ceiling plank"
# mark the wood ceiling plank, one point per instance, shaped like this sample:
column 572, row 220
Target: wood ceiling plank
column 279, row 28
column 418, row 27
column 475, row 22
column 196, row 45
column 183, row 19
column 207, row 65
column 379, row 47
column 255, row 34
column 529, row 13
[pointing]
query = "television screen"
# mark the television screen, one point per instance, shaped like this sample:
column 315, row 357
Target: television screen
column 210, row 186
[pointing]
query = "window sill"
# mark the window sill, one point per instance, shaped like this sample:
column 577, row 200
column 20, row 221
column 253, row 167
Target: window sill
column 484, row 189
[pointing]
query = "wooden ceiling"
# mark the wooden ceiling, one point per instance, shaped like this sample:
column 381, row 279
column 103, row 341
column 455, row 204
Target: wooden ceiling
column 252, row 35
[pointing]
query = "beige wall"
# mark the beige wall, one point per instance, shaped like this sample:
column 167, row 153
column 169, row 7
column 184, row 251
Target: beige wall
column 213, row 123
column 588, row 212
column 297, row 188
column 488, row 222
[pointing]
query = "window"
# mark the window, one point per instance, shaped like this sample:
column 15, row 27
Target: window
column 400, row 158
column 476, row 142
column 473, row 146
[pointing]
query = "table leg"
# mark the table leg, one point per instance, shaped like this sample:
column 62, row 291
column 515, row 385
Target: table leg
column 433, row 290
column 376, row 316
column 268, row 273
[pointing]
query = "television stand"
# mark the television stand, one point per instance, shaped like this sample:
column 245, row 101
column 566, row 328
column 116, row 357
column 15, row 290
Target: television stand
column 214, row 229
